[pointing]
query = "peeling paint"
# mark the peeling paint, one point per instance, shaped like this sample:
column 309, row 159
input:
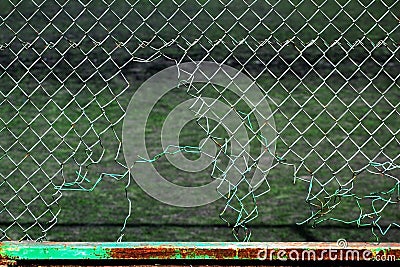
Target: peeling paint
column 16, row 251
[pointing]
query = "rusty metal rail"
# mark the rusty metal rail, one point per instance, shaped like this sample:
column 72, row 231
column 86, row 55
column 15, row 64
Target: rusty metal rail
column 263, row 253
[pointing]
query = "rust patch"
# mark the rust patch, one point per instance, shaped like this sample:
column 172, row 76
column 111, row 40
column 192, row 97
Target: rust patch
column 166, row 253
column 275, row 253
column 172, row 253
column 141, row 253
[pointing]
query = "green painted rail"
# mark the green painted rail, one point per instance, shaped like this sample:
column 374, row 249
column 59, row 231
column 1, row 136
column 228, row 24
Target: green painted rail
column 14, row 252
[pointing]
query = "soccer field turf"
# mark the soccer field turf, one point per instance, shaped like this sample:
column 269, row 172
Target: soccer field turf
column 64, row 82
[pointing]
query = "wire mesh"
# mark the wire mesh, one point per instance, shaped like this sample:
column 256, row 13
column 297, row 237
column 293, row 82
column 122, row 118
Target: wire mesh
column 329, row 70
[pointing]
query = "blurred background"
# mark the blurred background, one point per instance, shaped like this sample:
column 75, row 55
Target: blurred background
column 329, row 70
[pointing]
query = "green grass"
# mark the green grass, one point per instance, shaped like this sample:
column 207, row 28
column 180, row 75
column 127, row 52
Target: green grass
column 47, row 115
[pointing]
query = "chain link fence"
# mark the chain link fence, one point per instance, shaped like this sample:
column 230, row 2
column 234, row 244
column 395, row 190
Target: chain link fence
column 328, row 69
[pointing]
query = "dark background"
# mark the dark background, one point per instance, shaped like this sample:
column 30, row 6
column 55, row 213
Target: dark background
column 69, row 69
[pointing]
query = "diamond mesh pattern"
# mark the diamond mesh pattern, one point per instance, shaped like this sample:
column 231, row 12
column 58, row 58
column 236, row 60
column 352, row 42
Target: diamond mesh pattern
column 329, row 69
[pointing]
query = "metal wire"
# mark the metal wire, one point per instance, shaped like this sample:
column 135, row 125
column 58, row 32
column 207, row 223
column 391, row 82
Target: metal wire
column 329, row 70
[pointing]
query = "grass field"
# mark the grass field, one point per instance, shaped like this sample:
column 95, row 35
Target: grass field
column 63, row 84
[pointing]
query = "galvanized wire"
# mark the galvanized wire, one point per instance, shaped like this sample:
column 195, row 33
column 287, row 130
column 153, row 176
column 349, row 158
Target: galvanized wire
column 329, row 69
